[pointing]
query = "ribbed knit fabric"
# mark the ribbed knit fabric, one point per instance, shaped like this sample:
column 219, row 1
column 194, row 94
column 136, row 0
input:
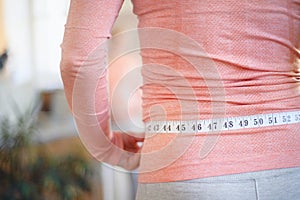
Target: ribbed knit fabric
column 201, row 59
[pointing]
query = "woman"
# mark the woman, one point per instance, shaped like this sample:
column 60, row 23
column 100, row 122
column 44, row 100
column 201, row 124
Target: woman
column 220, row 96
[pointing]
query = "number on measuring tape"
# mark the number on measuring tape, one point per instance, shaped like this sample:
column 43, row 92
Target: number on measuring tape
column 197, row 127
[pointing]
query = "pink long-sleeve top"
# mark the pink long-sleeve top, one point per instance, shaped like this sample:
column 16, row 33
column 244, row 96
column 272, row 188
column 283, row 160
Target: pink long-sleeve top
column 201, row 59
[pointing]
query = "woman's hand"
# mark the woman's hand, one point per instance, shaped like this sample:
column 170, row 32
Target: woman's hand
column 130, row 145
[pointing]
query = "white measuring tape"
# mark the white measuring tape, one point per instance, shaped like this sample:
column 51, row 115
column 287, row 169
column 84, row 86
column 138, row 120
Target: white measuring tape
column 223, row 124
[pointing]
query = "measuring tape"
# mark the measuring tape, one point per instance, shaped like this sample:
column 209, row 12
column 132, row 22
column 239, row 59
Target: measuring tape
column 223, row 124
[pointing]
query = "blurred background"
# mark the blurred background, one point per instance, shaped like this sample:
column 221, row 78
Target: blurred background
column 41, row 156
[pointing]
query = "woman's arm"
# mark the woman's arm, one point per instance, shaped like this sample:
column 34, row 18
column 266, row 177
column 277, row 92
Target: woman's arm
column 84, row 74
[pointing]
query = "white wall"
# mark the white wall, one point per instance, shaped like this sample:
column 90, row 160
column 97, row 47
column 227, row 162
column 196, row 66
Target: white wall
column 16, row 81
column 34, row 33
column 17, row 24
column 34, row 30
column 49, row 17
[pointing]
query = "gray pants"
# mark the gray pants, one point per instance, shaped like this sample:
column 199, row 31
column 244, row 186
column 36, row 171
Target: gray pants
column 281, row 184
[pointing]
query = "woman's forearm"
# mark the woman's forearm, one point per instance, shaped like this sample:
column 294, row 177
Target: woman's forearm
column 84, row 74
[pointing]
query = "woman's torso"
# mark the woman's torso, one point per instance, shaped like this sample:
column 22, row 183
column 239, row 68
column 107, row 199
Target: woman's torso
column 212, row 59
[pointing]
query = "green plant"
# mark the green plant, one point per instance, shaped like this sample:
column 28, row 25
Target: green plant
column 28, row 172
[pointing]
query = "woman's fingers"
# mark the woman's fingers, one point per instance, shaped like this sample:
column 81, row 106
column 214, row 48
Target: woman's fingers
column 130, row 141
column 130, row 157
